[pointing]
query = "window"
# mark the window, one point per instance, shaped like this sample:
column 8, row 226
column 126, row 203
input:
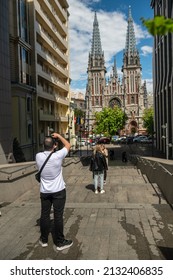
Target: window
column 132, row 99
column 29, row 131
column 23, row 20
column 25, row 77
column 28, row 104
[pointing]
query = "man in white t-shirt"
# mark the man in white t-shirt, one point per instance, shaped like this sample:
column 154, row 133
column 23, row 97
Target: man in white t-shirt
column 52, row 190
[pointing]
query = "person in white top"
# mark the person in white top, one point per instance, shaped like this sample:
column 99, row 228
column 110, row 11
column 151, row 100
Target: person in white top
column 52, row 190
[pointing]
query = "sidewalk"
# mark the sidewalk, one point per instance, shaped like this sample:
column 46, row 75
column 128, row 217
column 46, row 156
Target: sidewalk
column 127, row 222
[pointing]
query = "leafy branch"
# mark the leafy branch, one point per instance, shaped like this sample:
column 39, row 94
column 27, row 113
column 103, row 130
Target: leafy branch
column 159, row 25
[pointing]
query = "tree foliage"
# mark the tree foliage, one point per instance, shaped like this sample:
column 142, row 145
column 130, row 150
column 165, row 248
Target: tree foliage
column 148, row 118
column 159, row 25
column 78, row 112
column 109, row 121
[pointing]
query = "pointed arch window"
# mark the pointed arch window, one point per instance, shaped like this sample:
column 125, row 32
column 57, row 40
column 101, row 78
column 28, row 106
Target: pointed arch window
column 132, row 99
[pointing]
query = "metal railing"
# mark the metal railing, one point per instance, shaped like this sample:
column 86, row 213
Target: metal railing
column 154, row 165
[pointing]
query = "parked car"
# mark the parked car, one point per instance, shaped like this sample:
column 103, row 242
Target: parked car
column 129, row 139
column 123, row 140
column 147, row 140
column 87, row 142
column 140, row 138
column 103, row 140
column 82, row 143
column 114, row 139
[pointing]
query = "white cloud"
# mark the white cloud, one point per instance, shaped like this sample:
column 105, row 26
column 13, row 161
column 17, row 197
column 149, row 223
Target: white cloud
column 146, row 50
column 113, row 28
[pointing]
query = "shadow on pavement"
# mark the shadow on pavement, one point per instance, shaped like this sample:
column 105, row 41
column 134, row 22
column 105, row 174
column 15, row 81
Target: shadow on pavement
column 166, row 252
column 90, row 187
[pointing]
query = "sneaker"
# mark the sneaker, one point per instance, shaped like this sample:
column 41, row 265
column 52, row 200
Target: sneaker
column 43, row 244
column 96, row 192
column 102, row 191
column 64, row 245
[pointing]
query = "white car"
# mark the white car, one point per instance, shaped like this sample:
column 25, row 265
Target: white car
column 148, row 140
column 82, row 143
column 140, row 139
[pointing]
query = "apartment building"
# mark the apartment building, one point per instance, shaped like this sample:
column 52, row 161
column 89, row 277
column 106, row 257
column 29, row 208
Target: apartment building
column 39, row 52
column 163, row 81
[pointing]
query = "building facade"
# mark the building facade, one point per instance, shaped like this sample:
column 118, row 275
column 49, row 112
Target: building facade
column 39, row 55
column 129, row 94
column 5, row 85
column 163, row 81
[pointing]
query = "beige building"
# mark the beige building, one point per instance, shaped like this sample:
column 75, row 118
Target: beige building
column 39, row 50
column 79, row 100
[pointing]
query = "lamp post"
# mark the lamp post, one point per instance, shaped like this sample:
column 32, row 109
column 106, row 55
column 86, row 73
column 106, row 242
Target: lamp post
column 165, row 126
column 69, row 127
column 87, row 111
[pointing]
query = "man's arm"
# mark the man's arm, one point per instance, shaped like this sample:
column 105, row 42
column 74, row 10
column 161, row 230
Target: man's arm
column 62, row 139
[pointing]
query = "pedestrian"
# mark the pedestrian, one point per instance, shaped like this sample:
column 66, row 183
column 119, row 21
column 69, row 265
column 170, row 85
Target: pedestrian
column 97, row 166
column 105, row 153
column 111, row 154
column 124, row 156
column 52, row 190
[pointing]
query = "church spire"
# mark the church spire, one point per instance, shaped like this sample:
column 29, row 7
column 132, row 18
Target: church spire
column 96, row 48
column 130, row 37
column 115, row 68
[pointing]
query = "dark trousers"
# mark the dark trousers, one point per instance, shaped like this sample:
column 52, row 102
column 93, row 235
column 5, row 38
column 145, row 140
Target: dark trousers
column 58, row 201
column 105, row 174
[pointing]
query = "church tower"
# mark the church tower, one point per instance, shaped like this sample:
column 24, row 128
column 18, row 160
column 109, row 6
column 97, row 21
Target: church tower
column 132, row 88
column 129, row 93
column 96, row 74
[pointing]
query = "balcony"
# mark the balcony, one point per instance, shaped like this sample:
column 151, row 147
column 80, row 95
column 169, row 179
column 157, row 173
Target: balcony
column 63, row 13
column 59, row 23
column 61, row 100
column 41, row 17
column 52, row 79
column 52, row 61
column 51, row 44
column 63, row 119
column 46, row 116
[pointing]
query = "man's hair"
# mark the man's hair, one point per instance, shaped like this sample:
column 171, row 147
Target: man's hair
column 48, row 143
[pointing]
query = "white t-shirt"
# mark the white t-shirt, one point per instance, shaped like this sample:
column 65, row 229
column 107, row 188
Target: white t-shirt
column 51, row 175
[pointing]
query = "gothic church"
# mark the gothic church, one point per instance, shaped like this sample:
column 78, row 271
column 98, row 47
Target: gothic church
column 129, row 93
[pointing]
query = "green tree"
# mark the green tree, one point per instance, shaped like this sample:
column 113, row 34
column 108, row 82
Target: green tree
column 148, row 118
column 159, row 25
column 109, row 121
column 78, row 112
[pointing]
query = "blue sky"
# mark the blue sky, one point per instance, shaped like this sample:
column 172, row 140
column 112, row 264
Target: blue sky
column 112, row 18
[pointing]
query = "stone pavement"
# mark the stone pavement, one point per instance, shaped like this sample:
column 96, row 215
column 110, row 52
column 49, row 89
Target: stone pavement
column 131, row 221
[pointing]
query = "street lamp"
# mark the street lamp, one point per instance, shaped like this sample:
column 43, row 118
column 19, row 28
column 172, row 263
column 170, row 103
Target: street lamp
column 88, row 116
column 165, row 127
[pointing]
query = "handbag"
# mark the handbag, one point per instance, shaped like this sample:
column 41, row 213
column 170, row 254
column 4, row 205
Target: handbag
column 38, row 174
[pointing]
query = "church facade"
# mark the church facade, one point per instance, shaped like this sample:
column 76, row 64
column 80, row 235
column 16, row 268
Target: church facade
column 129, row 93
